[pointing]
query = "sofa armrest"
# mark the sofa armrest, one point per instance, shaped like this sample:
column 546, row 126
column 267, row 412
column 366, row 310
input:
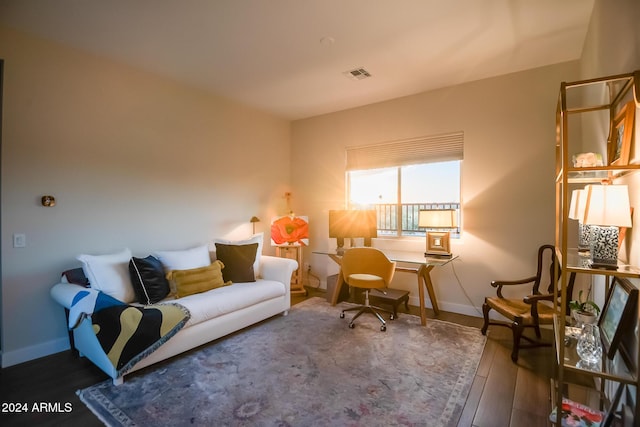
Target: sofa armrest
column 64, row 293
column 278, row 269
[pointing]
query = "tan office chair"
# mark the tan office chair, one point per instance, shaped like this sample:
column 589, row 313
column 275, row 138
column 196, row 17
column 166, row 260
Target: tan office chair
column 367, row 268
column 530, row 311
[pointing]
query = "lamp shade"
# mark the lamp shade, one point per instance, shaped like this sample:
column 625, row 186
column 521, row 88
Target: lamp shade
column 578, row 203
column 353, row 223
column 607, row 205
column 438, row 218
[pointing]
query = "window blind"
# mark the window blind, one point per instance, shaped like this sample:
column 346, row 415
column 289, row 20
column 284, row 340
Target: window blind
column 427, row 149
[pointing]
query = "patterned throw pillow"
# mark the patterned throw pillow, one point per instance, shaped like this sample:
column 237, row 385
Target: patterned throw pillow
column 197, row 280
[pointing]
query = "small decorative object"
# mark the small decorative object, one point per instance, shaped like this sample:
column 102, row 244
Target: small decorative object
column 438, row 241
column 617, row 314
column 607, row 209
column 584, row 311
column 589, row 346
column 48, row 201
column 621, row 135
column 585, row 160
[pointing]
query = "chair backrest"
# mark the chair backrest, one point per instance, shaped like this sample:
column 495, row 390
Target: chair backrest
column 552, row 261
column 368, row 261
column 550, row 252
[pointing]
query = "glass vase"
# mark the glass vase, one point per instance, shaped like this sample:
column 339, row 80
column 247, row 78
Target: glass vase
column 589, row 346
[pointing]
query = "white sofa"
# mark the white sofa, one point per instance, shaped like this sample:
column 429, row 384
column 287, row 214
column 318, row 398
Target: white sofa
column 214, row 313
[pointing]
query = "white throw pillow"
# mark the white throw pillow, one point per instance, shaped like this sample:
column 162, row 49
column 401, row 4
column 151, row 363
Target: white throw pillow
column 184, row 259
column 256, row 238
column 110, row 274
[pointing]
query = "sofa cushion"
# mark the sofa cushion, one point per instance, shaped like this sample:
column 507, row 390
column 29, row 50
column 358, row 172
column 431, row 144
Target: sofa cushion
column 148, row 279
column 238, row 261
column 110, row 274
column 255, row 238
column 221, row 301
column 197, row 280
column 184, row 259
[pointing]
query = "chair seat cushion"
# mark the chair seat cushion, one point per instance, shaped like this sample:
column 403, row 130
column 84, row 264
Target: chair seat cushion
column 516, row 308
column 368, row 281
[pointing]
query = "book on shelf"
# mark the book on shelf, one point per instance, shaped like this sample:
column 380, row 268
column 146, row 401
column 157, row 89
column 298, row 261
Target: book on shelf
column 575, row 414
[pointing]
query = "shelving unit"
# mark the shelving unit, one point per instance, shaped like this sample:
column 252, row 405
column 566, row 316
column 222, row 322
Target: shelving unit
column 579, row 104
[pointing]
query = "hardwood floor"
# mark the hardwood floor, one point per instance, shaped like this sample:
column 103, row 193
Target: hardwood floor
column 503, row 394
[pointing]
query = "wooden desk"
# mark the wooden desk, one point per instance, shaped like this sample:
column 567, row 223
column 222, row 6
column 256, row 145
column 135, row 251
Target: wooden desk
column 423, row 266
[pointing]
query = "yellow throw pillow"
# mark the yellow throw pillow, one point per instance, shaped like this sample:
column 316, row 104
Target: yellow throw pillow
column 196, row 280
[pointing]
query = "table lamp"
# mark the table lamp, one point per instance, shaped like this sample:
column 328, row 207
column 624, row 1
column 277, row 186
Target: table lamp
column 576, row 211
column 352, row 224
column 253, row 221
column 607, row 208
column 438, row 241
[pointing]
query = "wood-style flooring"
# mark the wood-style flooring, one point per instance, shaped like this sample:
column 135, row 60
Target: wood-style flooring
column 503, row 394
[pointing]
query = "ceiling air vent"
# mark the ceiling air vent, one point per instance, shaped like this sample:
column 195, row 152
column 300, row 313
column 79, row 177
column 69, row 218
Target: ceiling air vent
column 357, row 73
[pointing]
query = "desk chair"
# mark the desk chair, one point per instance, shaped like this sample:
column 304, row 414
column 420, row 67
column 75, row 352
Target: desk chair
column 367, row 268
column 530, row 311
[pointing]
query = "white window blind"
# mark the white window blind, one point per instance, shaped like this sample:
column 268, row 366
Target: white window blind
column 427, row 149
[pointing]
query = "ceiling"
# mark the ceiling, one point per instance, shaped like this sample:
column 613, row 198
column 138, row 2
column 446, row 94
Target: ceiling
column 288, row 57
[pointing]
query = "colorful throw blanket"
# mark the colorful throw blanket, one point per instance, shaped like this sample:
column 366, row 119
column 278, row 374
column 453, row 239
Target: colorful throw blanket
column 127, row 333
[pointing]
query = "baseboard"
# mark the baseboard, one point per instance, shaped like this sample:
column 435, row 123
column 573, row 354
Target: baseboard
column 15, row 357
column 450, row 307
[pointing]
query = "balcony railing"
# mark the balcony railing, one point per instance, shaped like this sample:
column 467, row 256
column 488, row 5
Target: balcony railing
column 387, row 215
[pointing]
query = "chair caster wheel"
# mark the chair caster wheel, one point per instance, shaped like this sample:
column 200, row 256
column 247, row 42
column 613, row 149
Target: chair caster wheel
column 392, row 317
column 342, row 315
column 351, row 326
column 383, row 328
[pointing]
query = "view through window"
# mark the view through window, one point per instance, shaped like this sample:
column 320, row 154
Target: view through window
column 399, row 193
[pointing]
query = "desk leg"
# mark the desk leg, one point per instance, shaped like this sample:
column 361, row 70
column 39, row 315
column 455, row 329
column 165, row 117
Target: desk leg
column 339, row 282
column 424, row 280
column 336, row 289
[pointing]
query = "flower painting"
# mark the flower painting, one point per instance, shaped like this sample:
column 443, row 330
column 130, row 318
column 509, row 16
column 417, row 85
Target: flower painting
column 290, row 230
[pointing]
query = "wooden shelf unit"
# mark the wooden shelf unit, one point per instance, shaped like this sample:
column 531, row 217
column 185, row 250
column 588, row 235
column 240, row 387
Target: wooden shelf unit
column 582, row 98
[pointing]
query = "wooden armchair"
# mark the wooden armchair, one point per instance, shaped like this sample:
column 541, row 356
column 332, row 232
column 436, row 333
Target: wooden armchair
column 530, row 311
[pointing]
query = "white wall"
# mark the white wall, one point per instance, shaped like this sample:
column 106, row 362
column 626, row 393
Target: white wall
column 134, row 160
column 507, row 173
column 613, row 47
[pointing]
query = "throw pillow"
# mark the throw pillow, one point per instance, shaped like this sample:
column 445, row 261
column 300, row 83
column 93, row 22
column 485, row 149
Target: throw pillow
column 148, row 279
column 184, row 259
column 255, row 238
column 238, row 260
column 109, row 274
column 197, row 280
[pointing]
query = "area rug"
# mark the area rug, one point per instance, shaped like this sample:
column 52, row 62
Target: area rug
column 305, row 369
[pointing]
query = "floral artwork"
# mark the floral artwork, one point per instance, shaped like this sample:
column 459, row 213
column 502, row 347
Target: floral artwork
column 290, row 230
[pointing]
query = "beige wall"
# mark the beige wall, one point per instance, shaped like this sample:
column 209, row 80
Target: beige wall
column 507, row 173
column 134, row 160
column 613, row 47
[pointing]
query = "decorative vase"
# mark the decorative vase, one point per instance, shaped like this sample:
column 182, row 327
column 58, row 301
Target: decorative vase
column 589, row 346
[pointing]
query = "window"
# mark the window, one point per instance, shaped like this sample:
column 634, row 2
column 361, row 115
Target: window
column 426, row 176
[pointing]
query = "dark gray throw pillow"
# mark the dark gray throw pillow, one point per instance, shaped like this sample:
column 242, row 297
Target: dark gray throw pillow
column 238, row 261
column 148, row 279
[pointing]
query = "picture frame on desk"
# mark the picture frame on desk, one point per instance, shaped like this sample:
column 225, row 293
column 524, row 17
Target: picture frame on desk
column 616, row 317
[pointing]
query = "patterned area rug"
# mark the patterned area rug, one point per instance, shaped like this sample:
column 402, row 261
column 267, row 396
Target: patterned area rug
column 305, row 369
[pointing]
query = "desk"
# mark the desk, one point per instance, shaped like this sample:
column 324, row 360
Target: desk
column 423, row 266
